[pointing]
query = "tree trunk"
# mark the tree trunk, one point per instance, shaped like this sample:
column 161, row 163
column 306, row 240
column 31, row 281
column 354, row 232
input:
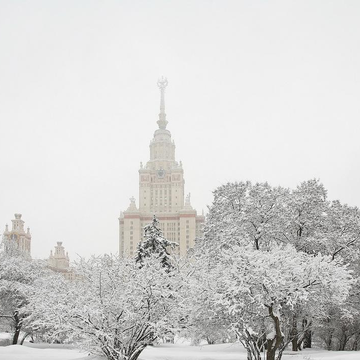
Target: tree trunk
column 355, row 345
column 17, row 322
column 270, row 353
column 343, row 341
column 24, row 337
column 328, row 342
column 136, row 353
column 274, row 344
column 297, row 340
column 293, row 333
column 307, row 339
column 261, row 342
column 250, row 344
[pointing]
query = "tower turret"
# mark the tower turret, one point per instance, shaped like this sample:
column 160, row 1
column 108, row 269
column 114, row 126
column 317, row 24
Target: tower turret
column 17, row 236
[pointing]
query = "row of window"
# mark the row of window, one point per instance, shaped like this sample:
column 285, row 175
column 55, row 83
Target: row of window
column 168, row 185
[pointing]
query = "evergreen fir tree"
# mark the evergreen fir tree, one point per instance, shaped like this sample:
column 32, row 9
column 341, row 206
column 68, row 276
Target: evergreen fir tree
column 155, row 244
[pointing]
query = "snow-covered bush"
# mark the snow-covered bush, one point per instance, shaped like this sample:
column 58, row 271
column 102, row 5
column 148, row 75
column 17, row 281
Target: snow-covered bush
column 18, row 274
column 263, row 287
column 204, row 318
column 275, row 259
column 116, row 309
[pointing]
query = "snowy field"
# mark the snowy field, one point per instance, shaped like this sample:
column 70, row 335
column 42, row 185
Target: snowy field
column 164, row 352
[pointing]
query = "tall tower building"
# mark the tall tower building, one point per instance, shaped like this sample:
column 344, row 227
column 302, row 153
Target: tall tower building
column 17, row 236
column 161, row 193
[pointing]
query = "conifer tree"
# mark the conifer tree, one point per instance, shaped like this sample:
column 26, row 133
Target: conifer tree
column 155, row 245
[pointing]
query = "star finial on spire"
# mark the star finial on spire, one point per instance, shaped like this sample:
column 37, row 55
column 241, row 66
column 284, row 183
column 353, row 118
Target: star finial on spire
column 162, row 82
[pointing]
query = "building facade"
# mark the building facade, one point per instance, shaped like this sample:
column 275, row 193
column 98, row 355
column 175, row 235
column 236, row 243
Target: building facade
column 59, row 261
column 17, row 236
column 161, row 193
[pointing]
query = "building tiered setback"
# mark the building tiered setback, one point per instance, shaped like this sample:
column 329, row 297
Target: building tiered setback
column 59, row 261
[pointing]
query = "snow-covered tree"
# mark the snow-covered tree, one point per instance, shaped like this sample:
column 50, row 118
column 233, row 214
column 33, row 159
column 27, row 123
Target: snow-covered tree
column 316, row 225
column 155, row 245
column 343, row 232
column 244, row 213
column 264, row 219
column 115, row 310
column 304, row 216
column 265, row 216
column 18, row 274
column 263, row 286
column 205, row 319
column 339, row 327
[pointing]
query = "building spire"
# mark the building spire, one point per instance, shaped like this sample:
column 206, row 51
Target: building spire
column 162, row 84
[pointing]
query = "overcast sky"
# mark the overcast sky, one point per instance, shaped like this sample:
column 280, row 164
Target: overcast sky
column 258, row 90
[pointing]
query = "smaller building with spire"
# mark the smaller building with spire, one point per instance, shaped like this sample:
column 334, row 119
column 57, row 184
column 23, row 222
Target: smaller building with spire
column 17, row 236
column 59, row 261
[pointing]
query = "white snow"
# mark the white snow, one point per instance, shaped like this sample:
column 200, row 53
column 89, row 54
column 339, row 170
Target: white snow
column 186, row 352
column 18, row 352
column 165, row 352
column 271, row 335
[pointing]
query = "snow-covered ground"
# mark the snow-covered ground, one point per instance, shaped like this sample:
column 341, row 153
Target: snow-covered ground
column 164, row 352
column 18, row 352
column 233, row 352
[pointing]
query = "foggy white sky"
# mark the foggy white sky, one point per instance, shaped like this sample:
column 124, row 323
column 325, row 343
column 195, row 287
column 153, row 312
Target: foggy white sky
column 258, row 90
